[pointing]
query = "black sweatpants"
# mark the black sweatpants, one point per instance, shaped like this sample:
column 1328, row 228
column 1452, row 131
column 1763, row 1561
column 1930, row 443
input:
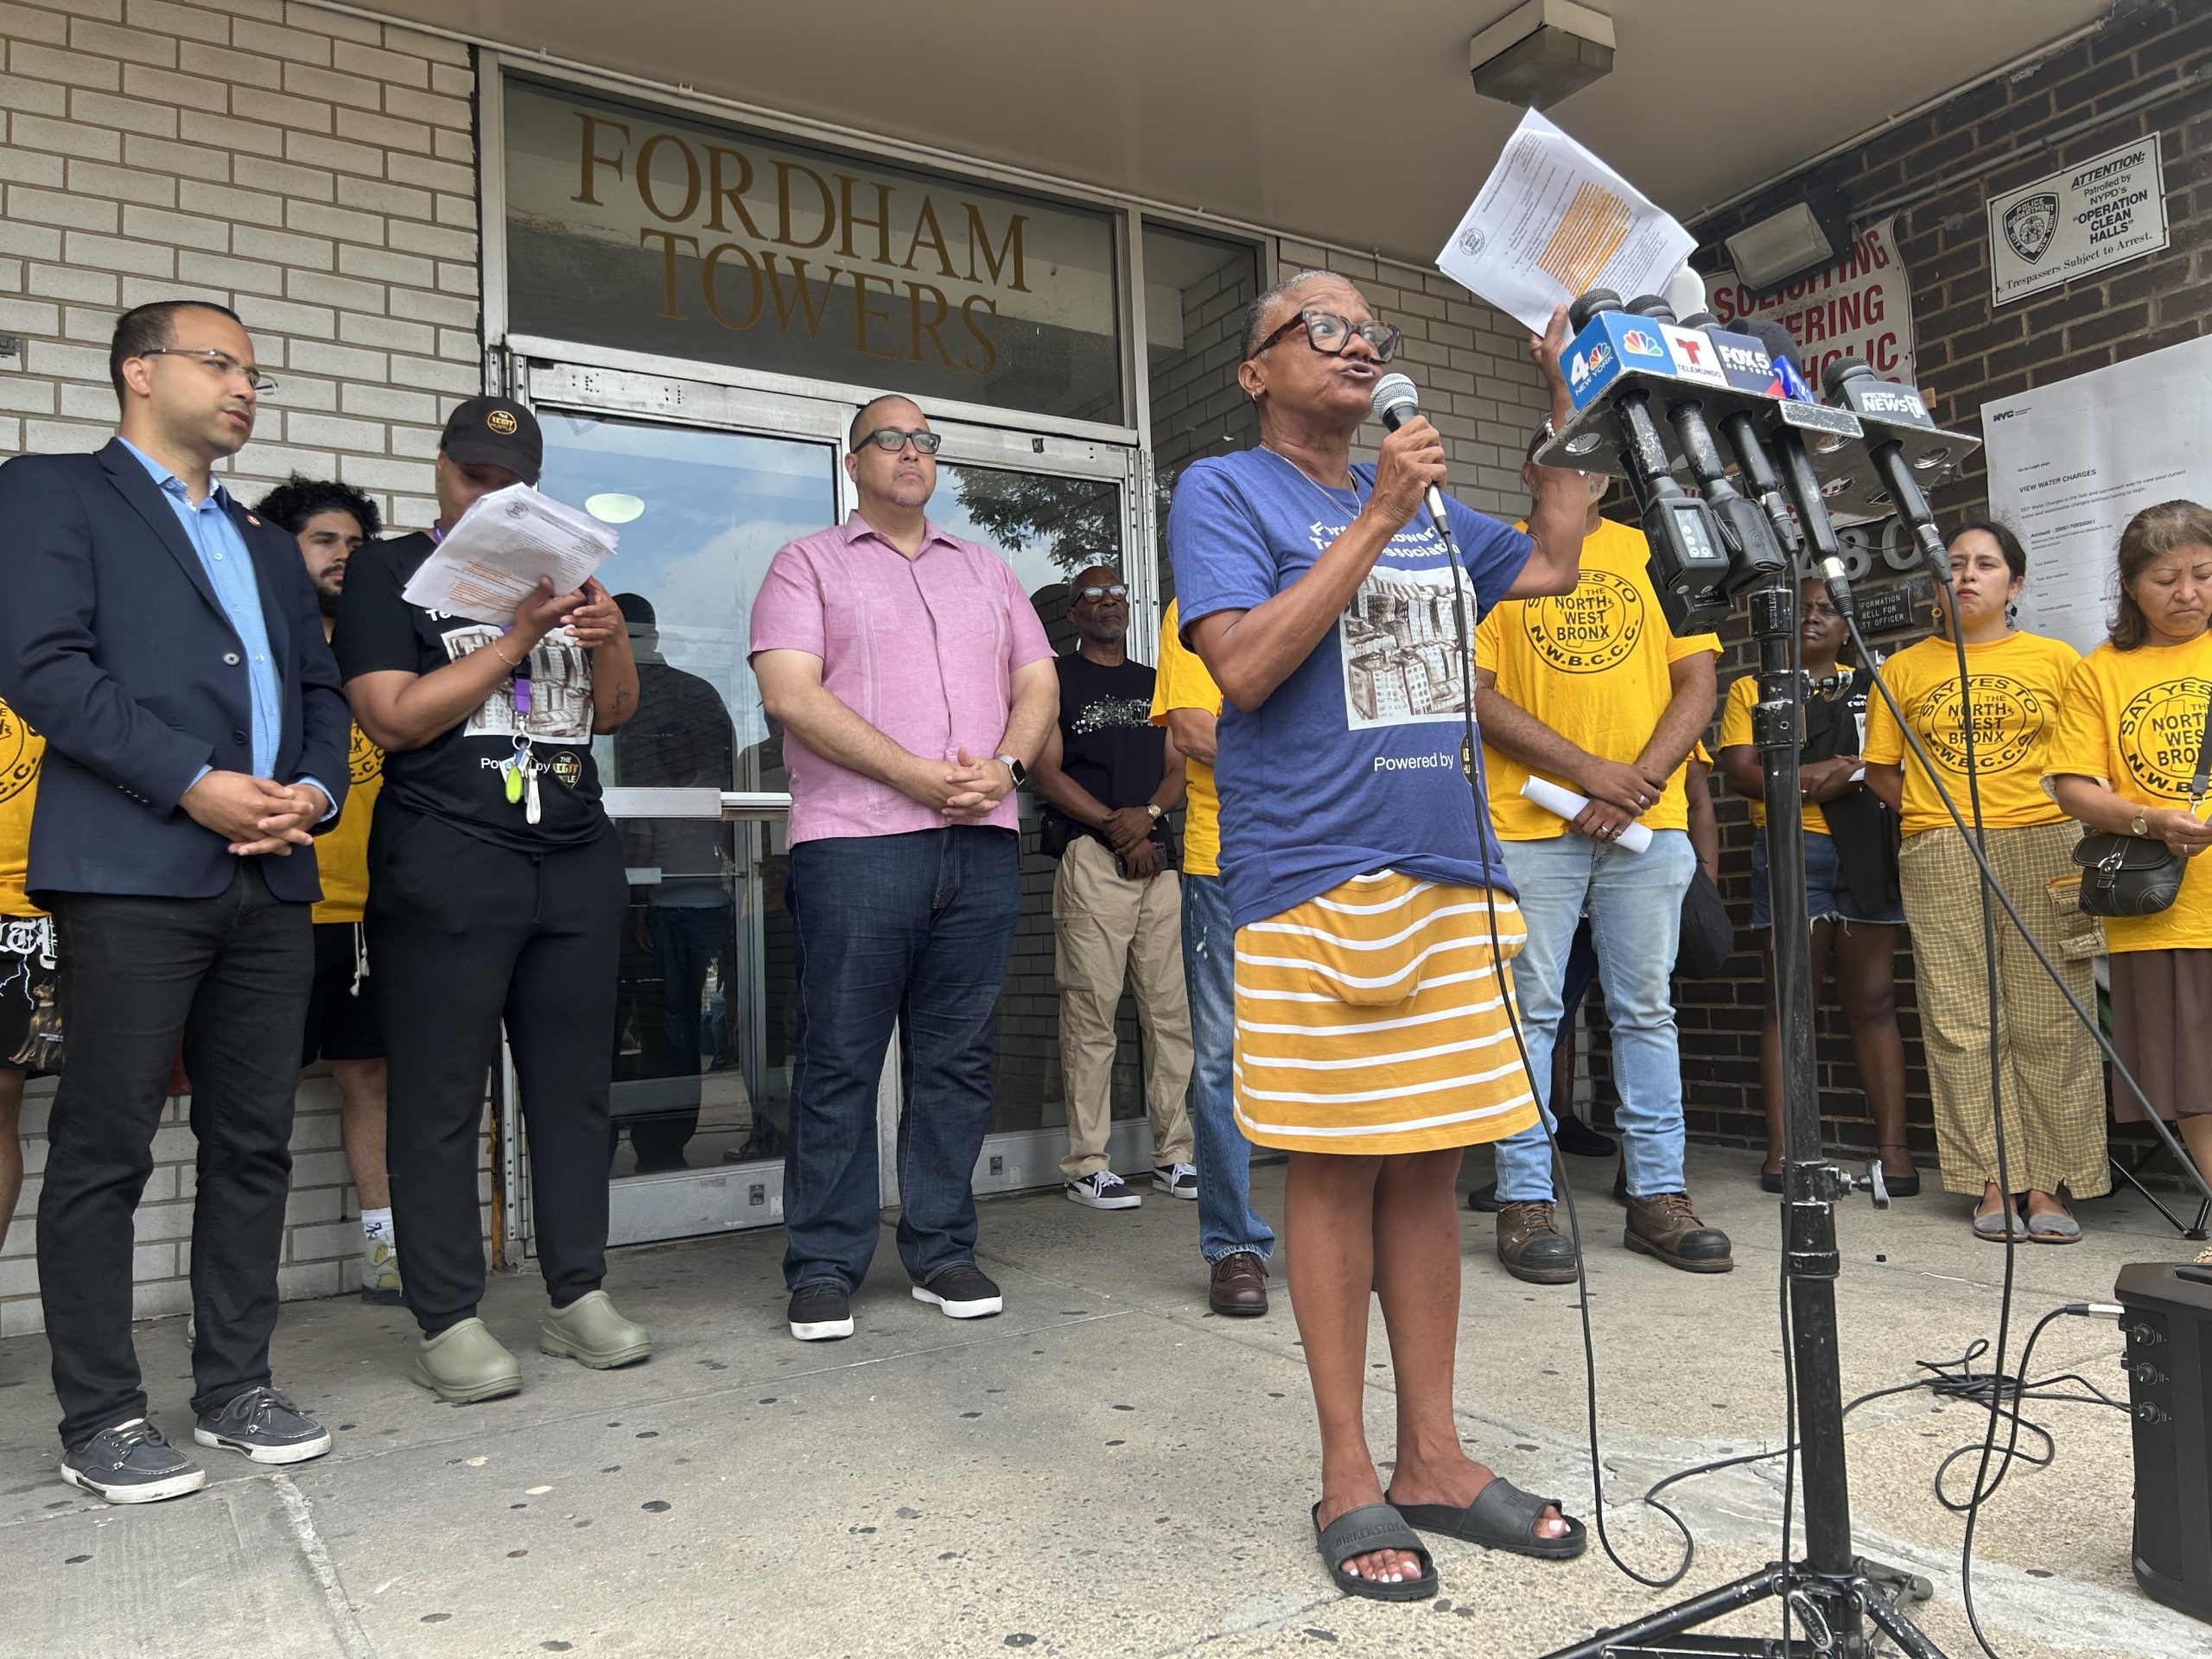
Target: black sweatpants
column 227, row 978
column 463, row 935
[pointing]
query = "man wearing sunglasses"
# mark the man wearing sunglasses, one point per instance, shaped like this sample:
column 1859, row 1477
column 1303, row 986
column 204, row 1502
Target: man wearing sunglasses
column 169, row 645
column 1109, row 777
column 914, row 685
column 1371, row 1039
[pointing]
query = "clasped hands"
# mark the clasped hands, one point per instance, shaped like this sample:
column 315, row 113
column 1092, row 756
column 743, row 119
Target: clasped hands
column 967, row 791
column 1619, row 794
column 257, row 815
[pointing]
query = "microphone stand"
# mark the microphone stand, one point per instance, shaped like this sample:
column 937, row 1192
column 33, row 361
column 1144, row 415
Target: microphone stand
column 1833, row 1593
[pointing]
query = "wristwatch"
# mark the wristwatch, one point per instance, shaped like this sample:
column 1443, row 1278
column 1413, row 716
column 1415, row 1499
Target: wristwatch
column 1014, row 769
column 1152, row 810
column 2140, row 825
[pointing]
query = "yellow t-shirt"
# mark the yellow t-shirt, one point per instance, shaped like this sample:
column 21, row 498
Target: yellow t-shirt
column 2019, row 689
column 1183, row 683
column 21, row 752
column 1735, row 708
column 1592, row 665
column 2133, row 720
column 341, row 854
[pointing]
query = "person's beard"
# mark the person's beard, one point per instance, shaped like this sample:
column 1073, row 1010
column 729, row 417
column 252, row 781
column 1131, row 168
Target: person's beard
column 327, row 595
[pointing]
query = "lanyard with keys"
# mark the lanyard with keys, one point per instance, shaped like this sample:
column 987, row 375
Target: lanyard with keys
column 521, row 770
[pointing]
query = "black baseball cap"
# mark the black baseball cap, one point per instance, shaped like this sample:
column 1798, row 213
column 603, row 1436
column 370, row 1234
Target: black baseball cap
column 495, row 432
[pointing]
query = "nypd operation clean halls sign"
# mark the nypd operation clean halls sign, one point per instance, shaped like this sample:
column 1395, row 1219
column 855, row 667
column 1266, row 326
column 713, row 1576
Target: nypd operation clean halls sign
column 2106, row 210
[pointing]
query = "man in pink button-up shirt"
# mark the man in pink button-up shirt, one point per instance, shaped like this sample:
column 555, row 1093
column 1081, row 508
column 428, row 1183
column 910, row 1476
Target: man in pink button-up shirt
column 913, row 682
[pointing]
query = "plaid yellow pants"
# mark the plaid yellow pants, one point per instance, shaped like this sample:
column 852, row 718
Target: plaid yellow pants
column 2052, row 1074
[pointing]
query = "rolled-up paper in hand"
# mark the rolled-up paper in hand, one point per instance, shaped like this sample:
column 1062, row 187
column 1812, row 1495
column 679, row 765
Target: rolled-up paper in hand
column 1569, row 804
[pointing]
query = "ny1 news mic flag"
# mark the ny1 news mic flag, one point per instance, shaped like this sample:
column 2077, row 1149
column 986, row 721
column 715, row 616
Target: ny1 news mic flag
column 1551, row 222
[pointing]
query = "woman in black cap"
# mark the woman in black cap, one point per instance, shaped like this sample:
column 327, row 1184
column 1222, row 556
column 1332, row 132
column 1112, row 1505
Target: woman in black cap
column 496, row 894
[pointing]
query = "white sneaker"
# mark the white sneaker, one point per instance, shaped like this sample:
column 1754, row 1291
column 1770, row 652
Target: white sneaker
column 1105, row 1191
column 1176, row 1180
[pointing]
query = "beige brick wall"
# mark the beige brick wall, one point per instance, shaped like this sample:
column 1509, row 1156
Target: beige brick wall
column 315, row 172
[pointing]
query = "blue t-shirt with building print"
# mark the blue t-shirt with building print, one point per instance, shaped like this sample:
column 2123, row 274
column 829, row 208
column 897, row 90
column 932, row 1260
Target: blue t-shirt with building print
column 1353, row 764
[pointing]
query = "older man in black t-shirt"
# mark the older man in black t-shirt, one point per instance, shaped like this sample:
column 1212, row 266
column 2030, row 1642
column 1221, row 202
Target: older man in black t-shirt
column 1109, row 778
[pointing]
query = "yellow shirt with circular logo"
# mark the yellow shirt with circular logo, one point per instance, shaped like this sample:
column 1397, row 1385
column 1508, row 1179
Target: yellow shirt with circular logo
column 341, row 853
column 1592, row 665
column 22, row 750
column 2133, row 720
column 2019, row 686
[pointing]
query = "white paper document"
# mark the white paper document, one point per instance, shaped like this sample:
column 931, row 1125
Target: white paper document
column 1569, row 804
column 494, row 559
column 1551, row 222
column 2070, row 463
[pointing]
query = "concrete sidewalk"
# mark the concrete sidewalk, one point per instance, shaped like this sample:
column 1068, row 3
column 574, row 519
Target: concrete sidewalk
column 1107, row 1469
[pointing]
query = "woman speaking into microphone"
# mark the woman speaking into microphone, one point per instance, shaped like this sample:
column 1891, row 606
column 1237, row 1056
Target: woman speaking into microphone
column 496, row 894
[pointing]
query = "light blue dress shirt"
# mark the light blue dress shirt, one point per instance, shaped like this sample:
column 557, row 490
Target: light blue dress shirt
column 230, row 570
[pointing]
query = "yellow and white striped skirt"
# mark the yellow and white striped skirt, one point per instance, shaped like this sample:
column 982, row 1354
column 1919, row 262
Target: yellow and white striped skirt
column 1373, row 1020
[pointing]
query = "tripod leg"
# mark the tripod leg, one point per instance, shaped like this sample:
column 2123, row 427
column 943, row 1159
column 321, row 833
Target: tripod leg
column 1899, row 1629
column 1729, row 1597
column 2172, row 1220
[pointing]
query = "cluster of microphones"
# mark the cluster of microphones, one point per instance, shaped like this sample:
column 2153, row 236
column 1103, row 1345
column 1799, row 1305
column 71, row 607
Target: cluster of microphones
column 1632, row 366
column 1663, row 365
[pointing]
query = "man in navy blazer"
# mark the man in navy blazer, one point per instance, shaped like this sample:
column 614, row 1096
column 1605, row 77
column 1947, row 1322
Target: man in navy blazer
column 169, row 645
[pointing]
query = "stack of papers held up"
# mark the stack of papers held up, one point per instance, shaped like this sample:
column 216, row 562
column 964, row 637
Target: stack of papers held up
column 494, row 558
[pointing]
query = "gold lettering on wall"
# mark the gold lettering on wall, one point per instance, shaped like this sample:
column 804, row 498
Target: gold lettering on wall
column 682, row 180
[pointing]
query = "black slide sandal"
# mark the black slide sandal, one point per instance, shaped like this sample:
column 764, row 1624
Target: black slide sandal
column 1503, row 1516
column 1362, row 1532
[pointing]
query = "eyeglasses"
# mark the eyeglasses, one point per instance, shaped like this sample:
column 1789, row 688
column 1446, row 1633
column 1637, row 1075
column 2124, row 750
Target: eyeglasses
column 1329, row 334
column 1117, row 591
column 891, row 439
column 222, row 362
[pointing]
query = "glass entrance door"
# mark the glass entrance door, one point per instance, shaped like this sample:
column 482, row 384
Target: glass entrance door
column 1053, row 507
column 694, row 782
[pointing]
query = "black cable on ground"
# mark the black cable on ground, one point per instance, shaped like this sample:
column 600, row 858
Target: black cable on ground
column 2003, row 1394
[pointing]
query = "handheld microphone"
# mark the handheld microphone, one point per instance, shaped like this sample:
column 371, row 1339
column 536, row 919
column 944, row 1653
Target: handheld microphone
column 1797, row 475
column 1395, row 403
column 1852, row 385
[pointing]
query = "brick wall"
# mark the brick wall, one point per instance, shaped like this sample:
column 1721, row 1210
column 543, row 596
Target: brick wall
column 1989, row 140
column 315, row 172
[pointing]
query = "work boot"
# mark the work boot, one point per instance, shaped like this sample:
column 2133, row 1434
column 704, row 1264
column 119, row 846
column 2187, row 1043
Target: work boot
column 1531, row 1248
column 590, row 1331
column 464, row 1363
column 1664, row 1225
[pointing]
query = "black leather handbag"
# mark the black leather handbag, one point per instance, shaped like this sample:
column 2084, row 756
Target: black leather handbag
column 2138, row 875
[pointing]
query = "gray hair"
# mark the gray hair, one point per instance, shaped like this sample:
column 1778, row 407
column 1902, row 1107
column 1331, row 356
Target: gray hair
column 1256, row 315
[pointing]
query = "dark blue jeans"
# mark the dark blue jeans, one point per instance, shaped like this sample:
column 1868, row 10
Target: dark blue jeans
column 916, row 929
column 1227, row 1222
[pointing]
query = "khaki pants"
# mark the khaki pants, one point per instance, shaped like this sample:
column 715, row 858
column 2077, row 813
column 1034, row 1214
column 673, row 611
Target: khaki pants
column 1106, row 926
column 2054, row 1074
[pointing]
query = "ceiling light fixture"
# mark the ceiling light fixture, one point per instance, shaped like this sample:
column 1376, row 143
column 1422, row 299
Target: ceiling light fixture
column 1542, row 52
column 1809, row 234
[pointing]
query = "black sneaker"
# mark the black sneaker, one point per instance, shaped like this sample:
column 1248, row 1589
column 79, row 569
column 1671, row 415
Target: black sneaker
column 963, row 1291
column 1484, row 1200
column 821, row 1313
column 264, row 1426
column 131, row 1462
column 1176, row 1180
